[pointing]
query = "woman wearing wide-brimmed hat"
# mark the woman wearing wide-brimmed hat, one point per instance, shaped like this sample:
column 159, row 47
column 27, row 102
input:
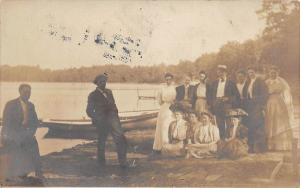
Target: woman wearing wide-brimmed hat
column 235, row 144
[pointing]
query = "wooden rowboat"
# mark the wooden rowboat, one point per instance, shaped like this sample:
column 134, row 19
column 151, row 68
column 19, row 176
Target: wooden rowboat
column 83, row 128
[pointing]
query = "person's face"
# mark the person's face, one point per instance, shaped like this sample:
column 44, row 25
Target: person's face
column 202, row 77
column 205, row 119
column 168, row 80
column 240, row 77
column 178, row 116
column 25, row 93
column 101, row 83
column 273, row 74
column 234, row 120
column 193, row 118
column 187, row 80
column 251, row 73
column 221, row 73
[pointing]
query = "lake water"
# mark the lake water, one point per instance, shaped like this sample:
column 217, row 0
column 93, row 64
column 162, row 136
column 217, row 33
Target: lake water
column 69, row 100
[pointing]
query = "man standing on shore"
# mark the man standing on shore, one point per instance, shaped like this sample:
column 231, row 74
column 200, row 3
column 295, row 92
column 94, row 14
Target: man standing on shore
column 255, row 95
column 223, row 96
column 101, row 108
column 20, row 123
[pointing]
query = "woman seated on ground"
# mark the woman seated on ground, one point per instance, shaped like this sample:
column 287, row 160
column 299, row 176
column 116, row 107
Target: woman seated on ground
column 177, row 134
column 205, row 138
column 194, row 125
column 235, row 144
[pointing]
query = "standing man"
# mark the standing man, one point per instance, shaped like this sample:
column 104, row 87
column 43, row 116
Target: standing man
column 223, row 95
column 101, row 108
column 185, row 93
column 255, row 96
column 20, row 123
column 241, row 77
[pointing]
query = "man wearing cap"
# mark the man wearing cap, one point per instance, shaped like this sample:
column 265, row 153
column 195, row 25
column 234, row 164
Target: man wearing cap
column 223, row 95
column 102, row 109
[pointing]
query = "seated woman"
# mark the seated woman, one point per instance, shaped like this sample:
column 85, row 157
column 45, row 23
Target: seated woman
column 177, row 134
column 194, row 124
column 205, row 138
column 235, row 144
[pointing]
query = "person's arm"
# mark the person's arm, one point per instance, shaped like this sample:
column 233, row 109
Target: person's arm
column 90, row 109
column 114, row 106
column 159, row 97
column 6, row 122
column 34, row 121
column 235, row 95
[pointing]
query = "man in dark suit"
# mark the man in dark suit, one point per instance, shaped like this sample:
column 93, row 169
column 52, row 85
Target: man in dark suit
column 102, row 109
column 185, row 93
column 20, row 123
column 223, row 95
column 255, row 95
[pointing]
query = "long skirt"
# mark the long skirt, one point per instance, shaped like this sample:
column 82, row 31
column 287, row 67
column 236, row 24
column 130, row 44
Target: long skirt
column 201, row 151
column 164, row 119
column 277, row 124
column 173, row 150
column 232, row 149
column 201, row 105
column 20, row 159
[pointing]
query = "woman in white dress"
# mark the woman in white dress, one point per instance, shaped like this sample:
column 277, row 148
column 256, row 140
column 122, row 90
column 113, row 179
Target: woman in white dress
column 279, row 113
column 165, row 116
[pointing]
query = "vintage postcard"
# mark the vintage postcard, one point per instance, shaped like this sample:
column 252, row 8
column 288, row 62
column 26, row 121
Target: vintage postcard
column 138, row 93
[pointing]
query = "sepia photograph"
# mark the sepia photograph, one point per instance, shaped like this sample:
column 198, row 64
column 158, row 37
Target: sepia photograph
column 150, row 93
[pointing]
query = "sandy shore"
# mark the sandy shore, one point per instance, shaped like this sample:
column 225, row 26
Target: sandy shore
column 77, row 167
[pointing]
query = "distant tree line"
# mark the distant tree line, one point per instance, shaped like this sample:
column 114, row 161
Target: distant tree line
column 278, row 45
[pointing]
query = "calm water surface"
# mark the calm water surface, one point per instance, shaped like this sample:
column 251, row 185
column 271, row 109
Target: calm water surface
column 68, row 100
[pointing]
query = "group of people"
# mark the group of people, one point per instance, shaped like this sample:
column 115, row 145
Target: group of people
column 225, row 118
column 222, row 118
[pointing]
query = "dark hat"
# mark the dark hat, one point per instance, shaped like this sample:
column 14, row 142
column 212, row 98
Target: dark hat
column 100, row 77
column 177, row 107
column 169, row 75
column 236, row 112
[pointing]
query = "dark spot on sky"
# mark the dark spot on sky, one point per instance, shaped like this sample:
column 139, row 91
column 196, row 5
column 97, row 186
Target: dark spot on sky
column 79, row 43
column 126, row 50
column 112, row 45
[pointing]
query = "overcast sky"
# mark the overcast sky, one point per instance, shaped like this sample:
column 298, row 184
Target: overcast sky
column 61, row 34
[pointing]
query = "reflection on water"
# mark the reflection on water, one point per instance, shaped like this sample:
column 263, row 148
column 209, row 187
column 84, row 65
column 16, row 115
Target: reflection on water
column 68, row 100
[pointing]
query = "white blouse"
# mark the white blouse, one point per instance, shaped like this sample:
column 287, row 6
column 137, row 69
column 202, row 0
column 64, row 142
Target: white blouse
column 167, row 94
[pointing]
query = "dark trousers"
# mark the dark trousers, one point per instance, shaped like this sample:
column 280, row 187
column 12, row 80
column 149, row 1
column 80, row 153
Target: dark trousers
column 113, row 126
column 219, row 110
column 255, row 124
column 36, row 157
